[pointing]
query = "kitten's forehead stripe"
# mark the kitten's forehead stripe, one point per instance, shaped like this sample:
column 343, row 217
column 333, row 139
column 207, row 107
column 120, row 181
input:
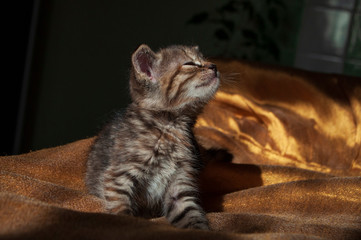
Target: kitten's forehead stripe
column 171, row 81
column 191, row 55
column 185, row 55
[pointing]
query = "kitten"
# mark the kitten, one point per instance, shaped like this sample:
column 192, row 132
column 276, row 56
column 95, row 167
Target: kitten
column 145, row 162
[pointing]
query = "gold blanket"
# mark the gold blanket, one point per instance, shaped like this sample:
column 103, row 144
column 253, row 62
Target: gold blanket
column 283, row 162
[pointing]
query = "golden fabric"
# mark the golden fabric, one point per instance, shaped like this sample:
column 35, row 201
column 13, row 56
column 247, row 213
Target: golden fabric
column 291, row 169
column 288, row 118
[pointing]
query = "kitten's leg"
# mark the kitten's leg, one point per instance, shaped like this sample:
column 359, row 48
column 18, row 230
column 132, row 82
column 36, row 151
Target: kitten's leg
column 182, row 205
column 118, row 192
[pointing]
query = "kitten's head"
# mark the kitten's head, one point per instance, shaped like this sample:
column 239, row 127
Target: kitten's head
column 172, row 78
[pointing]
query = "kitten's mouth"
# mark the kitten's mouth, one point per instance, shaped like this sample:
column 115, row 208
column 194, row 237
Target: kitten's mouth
column 209, row 82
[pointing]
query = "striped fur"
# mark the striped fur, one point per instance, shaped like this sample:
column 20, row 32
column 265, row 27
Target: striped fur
column 145, row 161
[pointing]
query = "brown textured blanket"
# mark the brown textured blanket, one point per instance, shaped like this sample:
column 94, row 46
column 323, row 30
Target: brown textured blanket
column 292, row 170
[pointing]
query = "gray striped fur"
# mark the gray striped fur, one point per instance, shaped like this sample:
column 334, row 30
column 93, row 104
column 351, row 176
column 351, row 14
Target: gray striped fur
column 145, row 162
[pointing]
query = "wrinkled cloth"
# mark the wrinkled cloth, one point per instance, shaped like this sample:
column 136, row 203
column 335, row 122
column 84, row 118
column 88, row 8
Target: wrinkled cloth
column 282, row 161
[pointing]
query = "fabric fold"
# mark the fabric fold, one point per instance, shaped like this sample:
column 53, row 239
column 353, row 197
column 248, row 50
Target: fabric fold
column 282, row 161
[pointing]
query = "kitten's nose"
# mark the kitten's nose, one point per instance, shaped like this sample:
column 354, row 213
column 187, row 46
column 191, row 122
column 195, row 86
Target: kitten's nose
column 211, row 66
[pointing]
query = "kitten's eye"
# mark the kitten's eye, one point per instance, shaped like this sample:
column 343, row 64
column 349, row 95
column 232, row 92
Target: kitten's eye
column 196, row 64
column 190, row 64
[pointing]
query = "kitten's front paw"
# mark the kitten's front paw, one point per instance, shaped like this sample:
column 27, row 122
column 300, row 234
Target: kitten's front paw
column 120, row 210
column 198, row 224
column 202, row 226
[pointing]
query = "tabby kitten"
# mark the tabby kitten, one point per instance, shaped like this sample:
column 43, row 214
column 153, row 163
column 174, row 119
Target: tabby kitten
column 145, row 162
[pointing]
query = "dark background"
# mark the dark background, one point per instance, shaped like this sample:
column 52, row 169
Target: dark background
column 67, row 61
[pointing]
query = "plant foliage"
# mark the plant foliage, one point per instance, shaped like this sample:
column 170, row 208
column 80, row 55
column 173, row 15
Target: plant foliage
column 245, row 28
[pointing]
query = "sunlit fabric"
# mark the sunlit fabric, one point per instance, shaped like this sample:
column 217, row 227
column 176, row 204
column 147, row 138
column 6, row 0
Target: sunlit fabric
column 288, row 118
column 282, row 155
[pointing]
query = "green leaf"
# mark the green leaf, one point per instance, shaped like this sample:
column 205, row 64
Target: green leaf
column 228, row 24
column 248, row 7
column 273, row 17
column 228, row 7
column 222, row 35
column 273, row 49
column 199, row 18
column 260, row 22
column 280, row 3
column 247, row 43
column 249, row 35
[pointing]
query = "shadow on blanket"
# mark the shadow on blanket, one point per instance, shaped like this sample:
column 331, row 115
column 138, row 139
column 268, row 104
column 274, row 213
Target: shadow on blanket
column 288, row 166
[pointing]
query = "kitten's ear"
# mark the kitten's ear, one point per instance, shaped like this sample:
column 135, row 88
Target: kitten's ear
column 143, row 60
column 196, row 48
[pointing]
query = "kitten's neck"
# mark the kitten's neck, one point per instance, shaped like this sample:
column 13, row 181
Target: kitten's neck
column 186, row 115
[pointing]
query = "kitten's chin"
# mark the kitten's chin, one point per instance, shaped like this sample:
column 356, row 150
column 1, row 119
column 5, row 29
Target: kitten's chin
column 208, row 88
column 212, row 85
column 208, row 83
